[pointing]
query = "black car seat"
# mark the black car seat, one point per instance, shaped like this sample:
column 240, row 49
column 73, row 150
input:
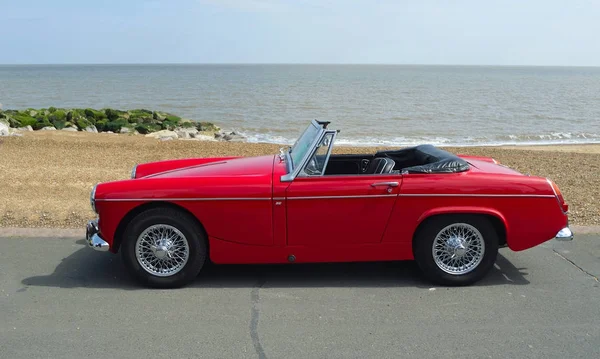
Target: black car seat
column 381, row 165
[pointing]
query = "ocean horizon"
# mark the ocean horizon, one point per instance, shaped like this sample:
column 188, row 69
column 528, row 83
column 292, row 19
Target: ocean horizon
column 372, row 105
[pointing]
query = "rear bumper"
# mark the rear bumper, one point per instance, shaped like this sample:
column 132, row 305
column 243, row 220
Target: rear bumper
column 93, row 238
column 564, row 234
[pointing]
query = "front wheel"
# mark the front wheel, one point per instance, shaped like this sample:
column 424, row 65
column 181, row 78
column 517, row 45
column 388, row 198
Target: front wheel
column 164, row 248
column 456, row 249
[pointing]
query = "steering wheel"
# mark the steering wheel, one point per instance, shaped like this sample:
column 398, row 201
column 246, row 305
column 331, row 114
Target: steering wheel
column 312, row 168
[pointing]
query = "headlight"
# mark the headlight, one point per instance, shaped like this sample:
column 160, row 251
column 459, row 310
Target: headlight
column 93, row 199
column 133, row 171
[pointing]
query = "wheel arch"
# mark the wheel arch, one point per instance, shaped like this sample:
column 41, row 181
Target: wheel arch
column 496, row 219
column 118, row 236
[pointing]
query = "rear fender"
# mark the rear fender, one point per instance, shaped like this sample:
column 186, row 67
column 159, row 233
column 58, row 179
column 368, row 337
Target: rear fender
column 466, row 210
column 478, row 158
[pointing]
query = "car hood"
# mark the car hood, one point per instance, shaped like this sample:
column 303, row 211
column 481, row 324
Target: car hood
column 241, row 166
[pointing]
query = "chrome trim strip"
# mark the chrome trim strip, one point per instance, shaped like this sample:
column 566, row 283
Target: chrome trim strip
column 183, row 199
column 241, row 199
column 319, row 197
column 473, row 195
column 345, row 197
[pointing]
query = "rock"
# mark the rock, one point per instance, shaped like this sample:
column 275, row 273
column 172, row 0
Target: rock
column 183, row 135
column 70, row 129
column 125, row 130
column 218, row 135
column 48, row 128
column 4, row 129
column 109, row 132
column 186, row 132
column 159, row 115
column 163, row 134
column 205, row 138
column 165, row 138
column 26, row 128
column 91, row 129
column 234, row 138
column 207, row 127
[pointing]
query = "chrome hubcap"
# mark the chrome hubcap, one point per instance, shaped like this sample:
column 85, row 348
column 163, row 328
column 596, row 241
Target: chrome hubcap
column 458, row 248
column 162, row 250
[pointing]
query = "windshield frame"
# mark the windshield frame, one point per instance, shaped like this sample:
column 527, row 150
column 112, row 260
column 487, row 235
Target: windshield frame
column 294, row 168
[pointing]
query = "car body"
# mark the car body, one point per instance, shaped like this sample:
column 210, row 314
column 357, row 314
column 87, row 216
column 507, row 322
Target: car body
column 305, row 204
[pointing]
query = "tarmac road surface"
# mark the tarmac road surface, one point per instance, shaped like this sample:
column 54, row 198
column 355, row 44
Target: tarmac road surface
column 60, row 299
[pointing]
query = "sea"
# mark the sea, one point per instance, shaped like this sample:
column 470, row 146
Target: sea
column 371, row 105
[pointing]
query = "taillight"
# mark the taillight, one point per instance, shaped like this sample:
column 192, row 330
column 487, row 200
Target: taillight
column 559, row 196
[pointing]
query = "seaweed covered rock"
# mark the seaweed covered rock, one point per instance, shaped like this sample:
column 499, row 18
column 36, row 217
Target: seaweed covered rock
column 142, row 121
column 207, row 127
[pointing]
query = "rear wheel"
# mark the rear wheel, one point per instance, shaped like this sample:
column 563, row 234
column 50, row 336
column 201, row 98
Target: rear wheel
column 456, row 249
column 164, row 248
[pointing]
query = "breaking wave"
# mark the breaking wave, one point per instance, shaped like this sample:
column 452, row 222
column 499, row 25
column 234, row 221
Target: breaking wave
column 553, row 138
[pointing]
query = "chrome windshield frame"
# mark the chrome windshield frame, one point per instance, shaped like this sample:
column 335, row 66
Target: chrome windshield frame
column 294, row 170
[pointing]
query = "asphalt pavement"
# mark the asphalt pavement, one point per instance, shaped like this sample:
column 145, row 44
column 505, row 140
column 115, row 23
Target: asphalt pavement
column 60, row 299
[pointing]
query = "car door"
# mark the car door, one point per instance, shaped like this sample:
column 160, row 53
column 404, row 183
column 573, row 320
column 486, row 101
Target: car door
column 340, row 210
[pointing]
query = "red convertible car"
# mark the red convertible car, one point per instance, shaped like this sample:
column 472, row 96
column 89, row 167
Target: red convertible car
column 450, row 213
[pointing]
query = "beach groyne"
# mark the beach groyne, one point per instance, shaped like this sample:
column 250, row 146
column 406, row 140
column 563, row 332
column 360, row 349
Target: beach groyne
column 158, row 124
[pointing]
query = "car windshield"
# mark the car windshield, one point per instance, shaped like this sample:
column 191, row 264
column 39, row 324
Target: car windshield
column 303, row 144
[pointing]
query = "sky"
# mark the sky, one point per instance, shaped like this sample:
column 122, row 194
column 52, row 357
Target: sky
column 459, row 32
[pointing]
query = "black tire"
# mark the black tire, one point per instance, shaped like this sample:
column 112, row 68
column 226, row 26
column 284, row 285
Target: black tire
column 423, row 245
column 187, row 225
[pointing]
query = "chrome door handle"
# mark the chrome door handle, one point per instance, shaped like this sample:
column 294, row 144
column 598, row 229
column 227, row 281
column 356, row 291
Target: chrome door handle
column 389, row 184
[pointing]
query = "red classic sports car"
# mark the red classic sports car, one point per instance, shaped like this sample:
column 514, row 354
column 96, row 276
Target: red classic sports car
column 449, row 213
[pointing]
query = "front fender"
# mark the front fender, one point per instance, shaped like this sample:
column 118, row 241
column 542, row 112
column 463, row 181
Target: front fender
column 150, row 168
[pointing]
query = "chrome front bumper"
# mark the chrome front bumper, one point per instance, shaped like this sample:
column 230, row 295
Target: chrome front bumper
column 93, row 238
column 564, row 234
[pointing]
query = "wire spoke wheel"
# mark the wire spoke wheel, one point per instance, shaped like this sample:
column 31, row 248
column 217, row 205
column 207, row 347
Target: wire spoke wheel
column 162, row 250
column 458, row 248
